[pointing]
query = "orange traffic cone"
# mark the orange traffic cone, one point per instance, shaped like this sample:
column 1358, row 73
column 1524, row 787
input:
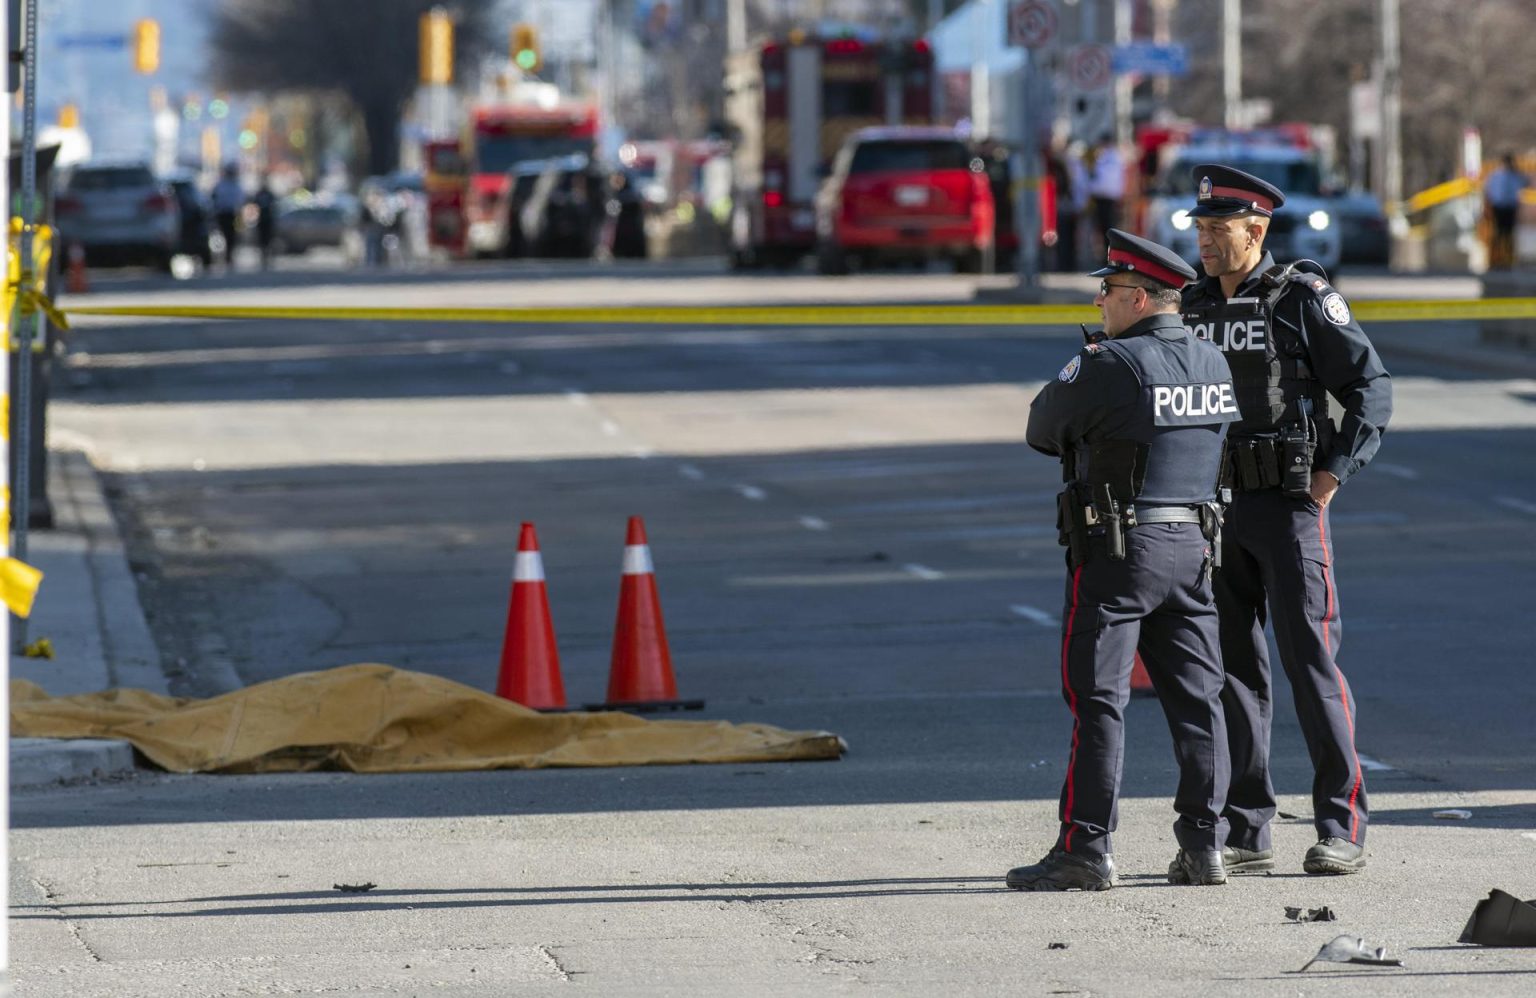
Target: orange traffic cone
column 530, row 663
column 1141, row 681
column 640, row 677
column 74, row 275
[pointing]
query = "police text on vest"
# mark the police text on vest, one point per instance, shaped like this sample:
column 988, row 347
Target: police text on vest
column 1234, row 335
column 1193, row 400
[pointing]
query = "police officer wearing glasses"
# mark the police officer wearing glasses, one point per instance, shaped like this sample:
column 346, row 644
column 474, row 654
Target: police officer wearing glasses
column 1137, row 419
column 1291, row 342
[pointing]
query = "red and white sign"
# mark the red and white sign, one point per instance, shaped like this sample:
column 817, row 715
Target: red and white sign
column 1031, row 23
column 1091, row 67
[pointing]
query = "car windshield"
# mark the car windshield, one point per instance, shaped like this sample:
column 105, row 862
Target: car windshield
column 499, row 153
column 1297, row 176
column 909, row 155
column 113, row 178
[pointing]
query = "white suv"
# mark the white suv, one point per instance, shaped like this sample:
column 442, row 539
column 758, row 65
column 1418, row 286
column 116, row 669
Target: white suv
column 1305, row 227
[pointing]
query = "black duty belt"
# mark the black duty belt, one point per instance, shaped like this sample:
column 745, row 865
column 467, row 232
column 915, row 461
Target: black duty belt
column 1166, row 514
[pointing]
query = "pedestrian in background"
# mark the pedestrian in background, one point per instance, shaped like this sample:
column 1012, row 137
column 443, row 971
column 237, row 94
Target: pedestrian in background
column 1106, row 187
column 265, row 203
column 1137, row 419
column 1291, row 342
column 228, row 198
column 1501, row 193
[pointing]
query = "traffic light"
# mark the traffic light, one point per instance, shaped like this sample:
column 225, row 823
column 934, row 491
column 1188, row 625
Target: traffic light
column 436, row 46
column 146, row 46
column 525, row 48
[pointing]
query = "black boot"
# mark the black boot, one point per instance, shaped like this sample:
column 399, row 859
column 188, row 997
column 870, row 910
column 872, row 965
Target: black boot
column 1202, row 867
column 1239, row 860
column 1334, row 855
column 1063, row 871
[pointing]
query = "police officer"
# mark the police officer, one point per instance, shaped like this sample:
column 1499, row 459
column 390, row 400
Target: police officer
column 1291, row 342
column 1137, row 419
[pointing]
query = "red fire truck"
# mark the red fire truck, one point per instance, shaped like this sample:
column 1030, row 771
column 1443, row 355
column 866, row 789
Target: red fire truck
column 790, row 103
column 500, row 137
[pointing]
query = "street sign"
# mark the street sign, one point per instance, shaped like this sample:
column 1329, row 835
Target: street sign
column 92, row 40
column 1090, row 67
column 1031, row 23
column 1151, row 59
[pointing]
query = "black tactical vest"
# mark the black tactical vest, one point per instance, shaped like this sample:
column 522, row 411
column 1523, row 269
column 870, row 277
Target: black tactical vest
column 1268, row 361
column 1171, row 454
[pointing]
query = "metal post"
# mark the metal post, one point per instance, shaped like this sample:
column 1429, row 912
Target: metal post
column 735, row 25
column 1391, row 108
column 1027, row 208
column 1232, row 60
column 26, row 331
column 5, row 617
column 1124, row 92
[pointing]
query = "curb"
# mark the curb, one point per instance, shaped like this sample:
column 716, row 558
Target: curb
column 39, row 762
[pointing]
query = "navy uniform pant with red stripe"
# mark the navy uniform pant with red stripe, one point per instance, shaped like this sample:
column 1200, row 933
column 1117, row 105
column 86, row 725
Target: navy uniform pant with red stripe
column 1158, row 600
column 1277, row 554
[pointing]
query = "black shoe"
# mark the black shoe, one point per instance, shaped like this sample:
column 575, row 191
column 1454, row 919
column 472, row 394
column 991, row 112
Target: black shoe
column 1062, row 871
column 1334, row 855
column 1202, row 867
column 1239, row 860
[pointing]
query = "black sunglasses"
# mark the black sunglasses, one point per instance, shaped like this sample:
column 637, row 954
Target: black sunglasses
column 1104, row 287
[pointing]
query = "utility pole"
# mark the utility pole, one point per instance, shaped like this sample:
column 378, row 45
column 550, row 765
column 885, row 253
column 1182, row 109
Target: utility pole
column 1123, row 89
column 1232, row 60
column 1391, row 108
column 735, row 25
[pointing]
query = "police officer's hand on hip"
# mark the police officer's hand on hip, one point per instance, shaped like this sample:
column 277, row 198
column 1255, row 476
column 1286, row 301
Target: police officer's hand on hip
column 1137, row 419
column 1292, row 343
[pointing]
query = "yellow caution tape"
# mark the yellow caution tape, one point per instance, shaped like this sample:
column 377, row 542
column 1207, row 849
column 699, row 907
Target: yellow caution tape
column 26, row 286
column 41, row 648
column 1397, row 310
column 18, row 585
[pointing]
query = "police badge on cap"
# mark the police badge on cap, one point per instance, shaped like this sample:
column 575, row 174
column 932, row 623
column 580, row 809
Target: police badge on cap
column 1205, row 189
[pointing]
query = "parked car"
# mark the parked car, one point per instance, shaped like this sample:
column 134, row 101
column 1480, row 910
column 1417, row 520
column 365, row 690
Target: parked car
column 307, row 222
column 119, row 213
column 904, row 193
column 1363, row 228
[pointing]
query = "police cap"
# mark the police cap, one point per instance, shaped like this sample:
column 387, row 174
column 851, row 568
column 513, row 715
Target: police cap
column 1133, row 254
column 1221, row 190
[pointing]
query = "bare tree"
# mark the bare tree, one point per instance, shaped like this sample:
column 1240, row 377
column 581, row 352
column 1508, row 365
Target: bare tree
column 1460, row 68
column 365, row 50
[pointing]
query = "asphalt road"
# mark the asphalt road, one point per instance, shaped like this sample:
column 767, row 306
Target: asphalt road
column 849, row 534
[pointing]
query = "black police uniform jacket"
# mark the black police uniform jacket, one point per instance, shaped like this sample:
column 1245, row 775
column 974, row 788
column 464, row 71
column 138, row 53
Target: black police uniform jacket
column 1155, row 386
column 1319, row 347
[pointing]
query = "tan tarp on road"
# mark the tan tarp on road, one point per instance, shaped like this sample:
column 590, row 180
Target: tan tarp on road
column 377, row 719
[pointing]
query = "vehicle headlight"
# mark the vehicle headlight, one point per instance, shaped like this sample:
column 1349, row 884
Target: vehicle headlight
column 1319, row 220
column 1181, row 220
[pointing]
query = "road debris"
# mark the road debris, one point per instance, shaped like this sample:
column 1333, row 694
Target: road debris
column 1453, row 814
column 1058, row 945
column 41, row 648
column 1352, row 949
column 1288, row 816
column 1323, row 914
column 355, row 888
column 1501, row 919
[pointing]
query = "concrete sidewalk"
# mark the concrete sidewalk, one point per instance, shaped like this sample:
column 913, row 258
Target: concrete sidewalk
column 88, row 608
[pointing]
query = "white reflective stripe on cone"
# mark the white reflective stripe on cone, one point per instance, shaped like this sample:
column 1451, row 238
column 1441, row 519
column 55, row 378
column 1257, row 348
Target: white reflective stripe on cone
column 637, row 560
column 528, row 567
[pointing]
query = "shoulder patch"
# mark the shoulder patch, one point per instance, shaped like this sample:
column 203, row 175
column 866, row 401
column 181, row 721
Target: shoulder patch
column 1094, row 347
column 1319, row 284
column 1335, row 308
column 1069, row 373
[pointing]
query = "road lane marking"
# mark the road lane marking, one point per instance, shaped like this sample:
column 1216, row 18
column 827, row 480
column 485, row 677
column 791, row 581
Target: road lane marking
column 1402, row 471
column 690, row 472
column 1037, row 615
column 923, row 572
column 610, row 428
column 751, row 492
column 1520, row 505
column 814, row 523
column 1528, row 835
column 1374, row 765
